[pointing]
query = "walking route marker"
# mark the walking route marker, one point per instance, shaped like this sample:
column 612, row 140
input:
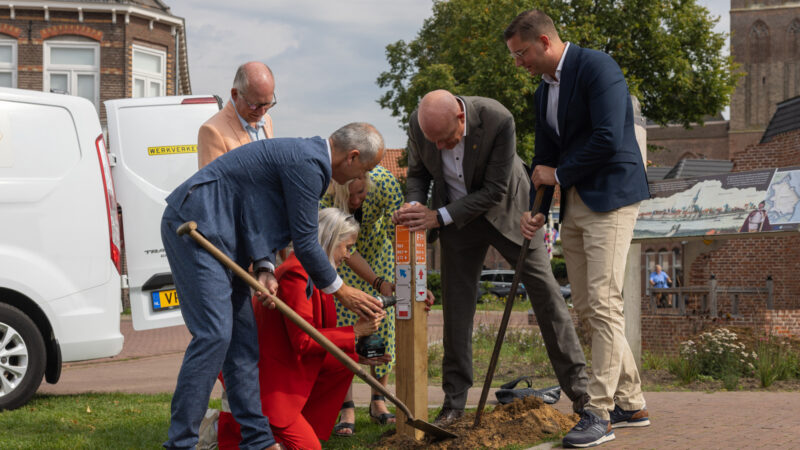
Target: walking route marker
column 411, row 334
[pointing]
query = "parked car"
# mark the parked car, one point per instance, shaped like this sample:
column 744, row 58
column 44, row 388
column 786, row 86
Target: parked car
column 566, row 292
column 498, row 282
column 60, row 234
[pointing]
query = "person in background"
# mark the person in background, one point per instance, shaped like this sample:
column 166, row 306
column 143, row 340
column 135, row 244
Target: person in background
column 660, row 279
column 372, row 200
column 244, row 118
column 585, row 143
column 302, row 385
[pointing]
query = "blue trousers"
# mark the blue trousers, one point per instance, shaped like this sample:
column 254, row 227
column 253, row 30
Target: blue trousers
column 218, row 312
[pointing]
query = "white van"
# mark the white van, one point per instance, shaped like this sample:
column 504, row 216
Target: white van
column 60, row 237
column 153, row 148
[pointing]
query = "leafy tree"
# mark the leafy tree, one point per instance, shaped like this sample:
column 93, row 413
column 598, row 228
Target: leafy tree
column 667, row 50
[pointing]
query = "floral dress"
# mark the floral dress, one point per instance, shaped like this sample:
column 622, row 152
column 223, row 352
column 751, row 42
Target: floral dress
column 375, row 243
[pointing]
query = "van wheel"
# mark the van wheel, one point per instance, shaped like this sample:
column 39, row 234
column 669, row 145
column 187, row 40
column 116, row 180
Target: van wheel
column 22, row 358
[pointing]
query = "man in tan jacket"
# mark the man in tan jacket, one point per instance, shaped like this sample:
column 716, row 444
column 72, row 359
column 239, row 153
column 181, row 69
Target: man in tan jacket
column 244, row 118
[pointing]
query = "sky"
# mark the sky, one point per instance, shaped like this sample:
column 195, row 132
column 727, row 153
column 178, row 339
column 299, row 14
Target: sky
column 325, row 55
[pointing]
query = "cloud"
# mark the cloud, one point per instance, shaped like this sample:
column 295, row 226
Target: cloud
column 326, row 55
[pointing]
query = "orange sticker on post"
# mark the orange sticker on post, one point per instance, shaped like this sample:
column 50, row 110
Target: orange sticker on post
column 419, row 247
column 402, row 247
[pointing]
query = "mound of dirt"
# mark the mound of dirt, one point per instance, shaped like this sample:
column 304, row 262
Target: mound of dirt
column 522, row 422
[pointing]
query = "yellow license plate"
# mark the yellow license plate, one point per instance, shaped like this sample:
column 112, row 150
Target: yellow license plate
column 167, row 299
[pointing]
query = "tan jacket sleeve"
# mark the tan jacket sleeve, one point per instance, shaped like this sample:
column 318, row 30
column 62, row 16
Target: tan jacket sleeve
column 210, row 145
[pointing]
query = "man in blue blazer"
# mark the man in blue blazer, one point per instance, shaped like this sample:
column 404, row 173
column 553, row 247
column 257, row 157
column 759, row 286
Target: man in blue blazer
column 585, row 143
column 250, row 203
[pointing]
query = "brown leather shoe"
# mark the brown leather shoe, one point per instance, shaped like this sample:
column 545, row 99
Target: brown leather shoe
column 447, row 416
column 621, row 418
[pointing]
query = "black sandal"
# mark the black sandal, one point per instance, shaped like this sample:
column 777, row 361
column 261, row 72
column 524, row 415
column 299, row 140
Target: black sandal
column 337, row 429
column 382, row 418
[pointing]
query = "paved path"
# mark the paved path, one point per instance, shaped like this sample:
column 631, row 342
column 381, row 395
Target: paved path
column 150, row 360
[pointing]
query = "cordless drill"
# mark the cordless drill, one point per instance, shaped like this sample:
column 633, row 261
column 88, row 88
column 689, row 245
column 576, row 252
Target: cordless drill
column 373, row 346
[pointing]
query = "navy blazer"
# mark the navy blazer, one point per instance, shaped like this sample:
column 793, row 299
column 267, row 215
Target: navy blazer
column 251, row 202
column 597, row 150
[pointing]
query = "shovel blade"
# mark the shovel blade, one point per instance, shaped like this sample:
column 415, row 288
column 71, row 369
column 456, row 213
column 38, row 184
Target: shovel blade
column 430, row 429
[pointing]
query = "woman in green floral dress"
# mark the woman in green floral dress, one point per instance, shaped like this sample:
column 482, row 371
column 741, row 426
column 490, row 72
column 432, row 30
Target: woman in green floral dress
column 372, row 200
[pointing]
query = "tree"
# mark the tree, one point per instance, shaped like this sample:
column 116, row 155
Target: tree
column 671, row 58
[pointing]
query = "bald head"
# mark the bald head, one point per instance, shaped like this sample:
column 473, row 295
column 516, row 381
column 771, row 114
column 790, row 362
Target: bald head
column 253, row 90
column 441, row 118
column 254, row 74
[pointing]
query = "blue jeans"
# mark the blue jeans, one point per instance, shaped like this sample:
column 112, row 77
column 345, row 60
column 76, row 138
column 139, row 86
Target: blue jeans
column 217, row 310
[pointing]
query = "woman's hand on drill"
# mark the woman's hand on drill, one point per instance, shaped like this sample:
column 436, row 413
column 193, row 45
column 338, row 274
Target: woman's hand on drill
column 365, row 327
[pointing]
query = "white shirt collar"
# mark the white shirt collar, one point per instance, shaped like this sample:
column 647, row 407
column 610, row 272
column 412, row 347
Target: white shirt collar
column 557, row 80
column 463, row 108
column 328, row 146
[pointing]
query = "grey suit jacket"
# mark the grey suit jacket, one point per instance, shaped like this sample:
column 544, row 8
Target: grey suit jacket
column 250, row 203
column 498, row 186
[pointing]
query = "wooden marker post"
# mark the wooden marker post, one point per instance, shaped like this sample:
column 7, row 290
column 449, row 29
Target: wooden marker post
column 411, row 327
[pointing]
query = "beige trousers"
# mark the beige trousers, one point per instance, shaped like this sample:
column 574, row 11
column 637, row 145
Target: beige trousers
column 595, row 250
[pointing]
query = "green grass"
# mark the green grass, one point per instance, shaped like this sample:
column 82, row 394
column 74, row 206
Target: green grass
column 655, row 361
column 367, row 433
column 121, row 421
column 492, row 303
column 129, row 421
column 90, row 421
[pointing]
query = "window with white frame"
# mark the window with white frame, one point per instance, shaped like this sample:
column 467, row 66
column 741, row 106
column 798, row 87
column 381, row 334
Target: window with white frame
column 149, row 72
column 73, row 68
column 8, row 62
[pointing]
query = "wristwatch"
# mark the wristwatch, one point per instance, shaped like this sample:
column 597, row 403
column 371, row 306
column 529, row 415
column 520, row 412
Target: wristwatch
column 439, row 218
column 264, row 269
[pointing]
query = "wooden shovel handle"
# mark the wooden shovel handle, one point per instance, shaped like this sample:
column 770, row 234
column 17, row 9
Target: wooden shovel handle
column 190, row 228
column 501, row 332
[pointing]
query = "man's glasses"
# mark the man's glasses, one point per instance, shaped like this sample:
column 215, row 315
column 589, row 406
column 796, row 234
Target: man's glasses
column 520, row 53
column 255, row 106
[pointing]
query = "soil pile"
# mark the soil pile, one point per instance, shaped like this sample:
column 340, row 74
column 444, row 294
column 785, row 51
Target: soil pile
column 523, row 421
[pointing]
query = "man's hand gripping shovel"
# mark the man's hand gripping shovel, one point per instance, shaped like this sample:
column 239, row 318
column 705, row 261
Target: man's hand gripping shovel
column 437, row 433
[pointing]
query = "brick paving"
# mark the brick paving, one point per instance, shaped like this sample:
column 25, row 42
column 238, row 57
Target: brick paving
column 150, row 360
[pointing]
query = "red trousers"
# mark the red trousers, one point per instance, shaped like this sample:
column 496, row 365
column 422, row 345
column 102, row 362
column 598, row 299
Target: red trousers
column 316, row 420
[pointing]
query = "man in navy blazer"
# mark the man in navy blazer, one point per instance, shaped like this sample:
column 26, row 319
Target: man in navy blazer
column 585, row 143
column 250, row 203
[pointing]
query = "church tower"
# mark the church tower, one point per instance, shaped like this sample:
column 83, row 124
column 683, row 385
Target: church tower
column 765, row 42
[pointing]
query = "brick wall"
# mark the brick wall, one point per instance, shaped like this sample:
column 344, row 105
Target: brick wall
column 116, row 39
column 663, row 334
column 159, row 38
column 742, row 262
column 782, row 151
column 668, row 145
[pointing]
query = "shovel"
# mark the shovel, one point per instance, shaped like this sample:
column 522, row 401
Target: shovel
column 501, row 333
column 437, row 433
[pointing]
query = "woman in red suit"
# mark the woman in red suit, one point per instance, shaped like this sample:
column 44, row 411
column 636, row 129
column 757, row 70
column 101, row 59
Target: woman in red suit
column 302, row 385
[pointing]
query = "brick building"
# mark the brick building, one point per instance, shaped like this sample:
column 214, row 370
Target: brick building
column 745, row 262
column 96, row 49
column 765, row 42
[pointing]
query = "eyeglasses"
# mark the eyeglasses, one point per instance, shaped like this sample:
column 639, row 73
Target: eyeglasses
column 520, row 53
column 255, row 106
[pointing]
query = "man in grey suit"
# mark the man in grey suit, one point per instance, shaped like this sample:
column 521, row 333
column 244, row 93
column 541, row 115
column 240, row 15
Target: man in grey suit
column 467, row 147
column 251, row 203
